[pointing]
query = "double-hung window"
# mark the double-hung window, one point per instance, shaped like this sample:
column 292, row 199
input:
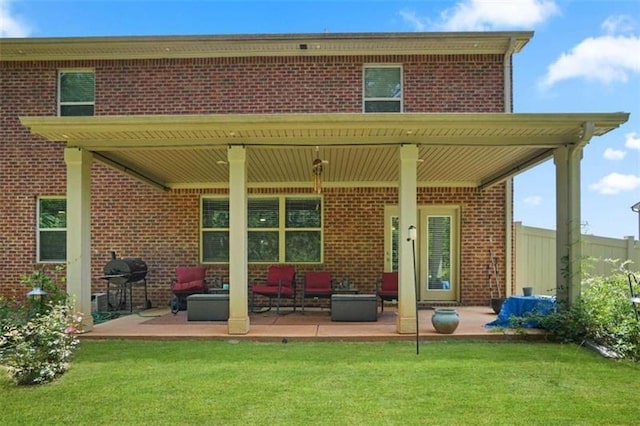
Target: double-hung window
column 52, row 229
column 76, row 93
column 382, row 88
column 279, row 229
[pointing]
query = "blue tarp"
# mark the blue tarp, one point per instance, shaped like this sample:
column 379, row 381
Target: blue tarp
column 522, row 306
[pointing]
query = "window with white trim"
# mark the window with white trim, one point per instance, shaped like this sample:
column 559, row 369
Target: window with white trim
column 52, row 229
column 382, row 88
column 76, row 93
column 280, row 229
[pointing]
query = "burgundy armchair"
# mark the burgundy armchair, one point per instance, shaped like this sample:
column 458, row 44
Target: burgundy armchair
column 280, row 284
column 317, row 285
column 189, row 280
column 387, row 288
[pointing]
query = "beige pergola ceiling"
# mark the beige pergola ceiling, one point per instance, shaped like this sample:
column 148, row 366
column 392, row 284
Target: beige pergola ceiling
column 473, row 150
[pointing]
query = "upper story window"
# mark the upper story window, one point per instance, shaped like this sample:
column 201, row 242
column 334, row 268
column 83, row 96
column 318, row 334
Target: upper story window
column 382, row 90
column 52, row 229
column 280, row 230
column 76, row 93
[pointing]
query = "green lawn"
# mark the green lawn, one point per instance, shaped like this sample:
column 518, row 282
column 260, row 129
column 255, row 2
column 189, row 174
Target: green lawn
column 242, row 383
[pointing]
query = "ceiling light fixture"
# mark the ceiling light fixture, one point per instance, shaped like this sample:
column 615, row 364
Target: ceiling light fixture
column 317, row 168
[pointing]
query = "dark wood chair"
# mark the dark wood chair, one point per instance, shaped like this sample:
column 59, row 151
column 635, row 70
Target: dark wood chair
column 317, row 285
column 279, row 284
column 387, row 288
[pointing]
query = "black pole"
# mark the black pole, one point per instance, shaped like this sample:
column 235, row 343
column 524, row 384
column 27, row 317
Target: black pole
column 415, row 285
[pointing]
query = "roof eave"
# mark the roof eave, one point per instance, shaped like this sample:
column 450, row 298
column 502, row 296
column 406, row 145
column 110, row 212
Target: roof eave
column 352, row 44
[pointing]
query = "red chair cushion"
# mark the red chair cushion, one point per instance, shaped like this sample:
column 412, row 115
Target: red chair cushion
column 186, row 274
column 197, row 285
column 278, row 273
column 272, row 291
column 317, row 282
column 389, row 284
column 190, row 278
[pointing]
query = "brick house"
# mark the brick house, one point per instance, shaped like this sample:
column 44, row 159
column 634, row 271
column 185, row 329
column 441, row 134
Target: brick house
column 198, row 150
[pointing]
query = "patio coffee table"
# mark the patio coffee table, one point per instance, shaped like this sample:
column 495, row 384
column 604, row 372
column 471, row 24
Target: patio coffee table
column 354, row 307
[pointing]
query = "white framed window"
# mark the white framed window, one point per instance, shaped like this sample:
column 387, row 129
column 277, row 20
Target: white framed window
column 76, row 92
column 52, row 229
column 281, row 229
column 382, row 88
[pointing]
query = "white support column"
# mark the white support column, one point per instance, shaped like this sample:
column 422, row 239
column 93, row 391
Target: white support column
column 79, row 231
column 560, row 156
column 406, row 321
column 575, row 225
column 238, row 272
column 568, row 233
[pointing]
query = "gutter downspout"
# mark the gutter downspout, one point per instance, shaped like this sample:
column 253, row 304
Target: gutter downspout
column 508, row 187
column 508, row 83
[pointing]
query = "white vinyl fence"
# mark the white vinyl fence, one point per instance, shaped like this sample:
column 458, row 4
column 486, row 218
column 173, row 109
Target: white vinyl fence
column 536, row 257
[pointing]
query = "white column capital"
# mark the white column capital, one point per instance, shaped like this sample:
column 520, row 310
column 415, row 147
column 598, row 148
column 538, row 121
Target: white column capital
column 409, row 153
column 236, row 153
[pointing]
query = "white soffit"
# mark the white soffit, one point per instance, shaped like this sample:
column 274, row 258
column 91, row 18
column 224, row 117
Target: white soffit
column 361, row 149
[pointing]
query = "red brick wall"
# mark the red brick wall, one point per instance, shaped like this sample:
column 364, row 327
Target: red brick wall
column 134, row 220
column 162, row 229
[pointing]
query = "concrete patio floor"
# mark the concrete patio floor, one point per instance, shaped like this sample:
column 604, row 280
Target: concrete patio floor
column 314, row 325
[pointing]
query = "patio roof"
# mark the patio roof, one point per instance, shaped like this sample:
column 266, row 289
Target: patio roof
column 189, row 151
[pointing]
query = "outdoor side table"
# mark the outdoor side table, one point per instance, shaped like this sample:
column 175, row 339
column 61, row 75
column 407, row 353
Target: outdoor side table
column 347, row 290
column 208, row 307
column 354, row 307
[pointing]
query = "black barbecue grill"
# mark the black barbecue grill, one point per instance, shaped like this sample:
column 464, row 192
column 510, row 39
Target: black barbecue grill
column 123, row 274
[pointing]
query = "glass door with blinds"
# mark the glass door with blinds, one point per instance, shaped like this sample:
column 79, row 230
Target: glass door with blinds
column 439, row 248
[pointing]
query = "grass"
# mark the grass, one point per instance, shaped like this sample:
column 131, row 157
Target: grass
column 240, row 383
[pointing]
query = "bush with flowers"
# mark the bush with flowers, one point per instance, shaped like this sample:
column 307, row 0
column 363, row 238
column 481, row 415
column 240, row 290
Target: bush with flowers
column 38, row 341
column 42, row 349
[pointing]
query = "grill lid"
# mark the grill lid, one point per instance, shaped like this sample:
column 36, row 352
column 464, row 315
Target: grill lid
column 122, row 271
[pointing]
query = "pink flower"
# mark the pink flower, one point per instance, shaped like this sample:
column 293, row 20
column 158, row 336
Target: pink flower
column 71, row 330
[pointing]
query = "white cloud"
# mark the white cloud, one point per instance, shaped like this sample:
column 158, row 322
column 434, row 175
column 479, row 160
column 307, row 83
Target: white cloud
column 632, row 141
column 608, row 58
column 533, row 200
column 418, row 23
column 618, row 24
column 614, row 154
column 11, row 25
column 615, row 183
column 483, row 15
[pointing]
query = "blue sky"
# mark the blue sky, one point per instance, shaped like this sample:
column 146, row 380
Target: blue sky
column 584, row 57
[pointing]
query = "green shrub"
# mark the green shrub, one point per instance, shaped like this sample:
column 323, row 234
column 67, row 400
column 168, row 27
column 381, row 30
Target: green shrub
column 42, row 349
column 39, row 335
column 603, row 315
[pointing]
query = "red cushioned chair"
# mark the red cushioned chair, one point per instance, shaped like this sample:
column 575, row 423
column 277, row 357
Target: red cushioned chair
column 387, row 288
column 317, row 284
column 280, row 284
column 189, row 280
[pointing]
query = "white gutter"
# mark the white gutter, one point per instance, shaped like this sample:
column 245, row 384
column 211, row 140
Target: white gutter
column 508, row 187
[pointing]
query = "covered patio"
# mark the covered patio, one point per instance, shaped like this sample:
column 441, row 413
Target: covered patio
column 314, row 325
column 408, row 151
